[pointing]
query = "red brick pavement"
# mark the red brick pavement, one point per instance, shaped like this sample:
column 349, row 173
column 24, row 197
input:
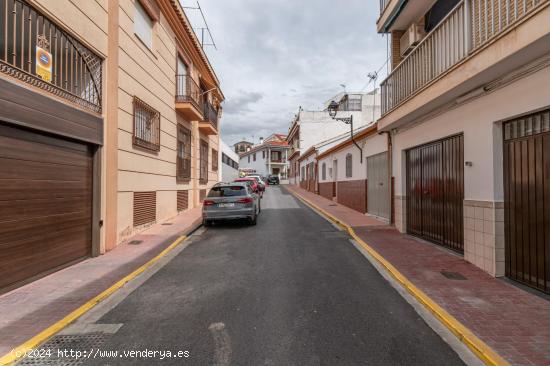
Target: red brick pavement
column 514, row 322
column 32, row 308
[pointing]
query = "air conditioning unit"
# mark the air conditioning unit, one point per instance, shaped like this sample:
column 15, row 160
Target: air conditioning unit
column 411, row 38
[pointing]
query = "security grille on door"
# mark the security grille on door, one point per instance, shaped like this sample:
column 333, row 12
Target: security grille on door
column 527, row 199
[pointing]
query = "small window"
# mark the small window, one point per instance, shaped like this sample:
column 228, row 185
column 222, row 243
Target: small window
column 254, row 156
column 324, row 171
column 263, row 154
column 249, row 158
column 183, row 168
column 146, row 126
column 214, row 160
column 203, row 169
column 349, row 166
column 143, row 25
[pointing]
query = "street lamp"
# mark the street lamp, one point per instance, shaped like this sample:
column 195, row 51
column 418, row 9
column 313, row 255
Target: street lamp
column 332, row 110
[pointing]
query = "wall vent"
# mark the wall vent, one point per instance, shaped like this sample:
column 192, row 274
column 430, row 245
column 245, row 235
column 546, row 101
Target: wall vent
column 145, row 208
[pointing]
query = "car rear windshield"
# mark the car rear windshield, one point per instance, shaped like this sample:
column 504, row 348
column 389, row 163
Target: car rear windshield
column 230, row 191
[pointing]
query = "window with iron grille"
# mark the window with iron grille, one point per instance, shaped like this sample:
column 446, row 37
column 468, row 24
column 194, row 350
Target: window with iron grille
column 349, row 164
column 146, row 126
column 203, row 177
column 183, row 163
column 214, row 160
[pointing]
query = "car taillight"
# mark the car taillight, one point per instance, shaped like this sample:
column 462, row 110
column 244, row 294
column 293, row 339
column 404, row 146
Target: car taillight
column 208, row 203
column 245, row 200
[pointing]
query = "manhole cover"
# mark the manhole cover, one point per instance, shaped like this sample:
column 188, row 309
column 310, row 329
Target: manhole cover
column 135, row 242
column 453, row 275
column 57, row 351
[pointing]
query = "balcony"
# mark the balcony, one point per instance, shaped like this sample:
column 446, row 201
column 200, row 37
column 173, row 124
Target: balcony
column 209, row 123
column 188, row 97
column 470, row 26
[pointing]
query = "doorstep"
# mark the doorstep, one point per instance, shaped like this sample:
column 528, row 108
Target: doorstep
column 513, row 322
column 29, row 309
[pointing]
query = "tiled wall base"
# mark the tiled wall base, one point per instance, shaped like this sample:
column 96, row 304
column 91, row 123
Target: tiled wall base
column 400, row 206
column 484, row 235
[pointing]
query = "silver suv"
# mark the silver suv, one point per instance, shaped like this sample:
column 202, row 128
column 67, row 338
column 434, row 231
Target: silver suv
column 230, row 201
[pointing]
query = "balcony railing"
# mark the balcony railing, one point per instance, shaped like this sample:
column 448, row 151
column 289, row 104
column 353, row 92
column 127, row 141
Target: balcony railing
column 36, row 51
column 470, row 25
column 383, row 5
column 210, row 114
column 188, row 91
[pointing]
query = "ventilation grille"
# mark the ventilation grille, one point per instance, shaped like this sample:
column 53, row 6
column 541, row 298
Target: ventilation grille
column 183, row 200
column 145, row 208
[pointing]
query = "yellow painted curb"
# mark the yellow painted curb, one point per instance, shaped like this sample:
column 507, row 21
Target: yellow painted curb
column 476, row 345
column 41, row 337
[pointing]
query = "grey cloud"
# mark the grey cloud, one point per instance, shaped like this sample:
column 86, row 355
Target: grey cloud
column 274, row 56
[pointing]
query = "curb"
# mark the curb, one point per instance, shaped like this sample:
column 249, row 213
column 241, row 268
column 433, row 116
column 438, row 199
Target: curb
column 19, row 351
column 466, row 336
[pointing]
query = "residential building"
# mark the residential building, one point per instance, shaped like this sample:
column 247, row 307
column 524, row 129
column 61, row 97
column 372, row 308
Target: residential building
column 468, row 110
column 312, row 127
column 243, row 146
column 357, row 178
column 109, row 122
column 270, row 157
column 229, row 163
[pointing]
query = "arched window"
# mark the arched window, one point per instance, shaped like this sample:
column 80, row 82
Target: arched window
column 324, row 171
column 349, row 165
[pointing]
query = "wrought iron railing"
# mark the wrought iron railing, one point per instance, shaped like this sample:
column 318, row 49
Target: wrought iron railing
column 469, row 26
column 35, row 50
column 210, row 114
column 187, row 90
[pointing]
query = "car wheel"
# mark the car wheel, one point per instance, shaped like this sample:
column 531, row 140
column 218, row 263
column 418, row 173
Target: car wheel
column 254, row 219
column 206, row 223
column 259, row 207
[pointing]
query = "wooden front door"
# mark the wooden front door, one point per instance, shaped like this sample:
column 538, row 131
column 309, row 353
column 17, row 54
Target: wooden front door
column 527, row 200
column 435, row 192
column 45, row 204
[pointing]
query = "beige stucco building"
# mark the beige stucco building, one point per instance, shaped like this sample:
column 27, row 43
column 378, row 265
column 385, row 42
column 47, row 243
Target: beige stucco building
column 467, row 109
column 109, row 122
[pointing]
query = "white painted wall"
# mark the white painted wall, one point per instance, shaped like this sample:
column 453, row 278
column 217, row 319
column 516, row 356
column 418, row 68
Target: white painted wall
column 478, row 120
column 304, row 163
column 371, row 145
column 228, row 173
column 261, row 164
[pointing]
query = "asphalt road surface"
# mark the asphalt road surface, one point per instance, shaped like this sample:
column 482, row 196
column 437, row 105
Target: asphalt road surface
column 292, row 290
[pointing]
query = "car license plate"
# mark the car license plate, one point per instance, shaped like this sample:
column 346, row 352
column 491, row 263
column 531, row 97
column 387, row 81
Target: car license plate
column 226, row 205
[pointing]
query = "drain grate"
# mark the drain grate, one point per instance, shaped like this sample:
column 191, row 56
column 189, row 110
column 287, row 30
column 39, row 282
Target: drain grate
column 167, row 224
column 61, row 346
column 453, row 276
column 135, row 242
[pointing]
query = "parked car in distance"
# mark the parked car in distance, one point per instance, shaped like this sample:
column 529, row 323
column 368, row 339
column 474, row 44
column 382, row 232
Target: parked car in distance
column 253, row 183
column 231, row 201
column 273, row 179
column 259, row 179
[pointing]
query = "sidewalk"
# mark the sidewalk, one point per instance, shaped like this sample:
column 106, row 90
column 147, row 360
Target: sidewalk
column 28, row 310
column 512, row 321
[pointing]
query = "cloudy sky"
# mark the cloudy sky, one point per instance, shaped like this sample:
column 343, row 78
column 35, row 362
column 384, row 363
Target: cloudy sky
column 274, row 56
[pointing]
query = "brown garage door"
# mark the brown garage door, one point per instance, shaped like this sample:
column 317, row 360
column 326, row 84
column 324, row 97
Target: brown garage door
column 527, row 200
column 435, row 192
column 45, row 204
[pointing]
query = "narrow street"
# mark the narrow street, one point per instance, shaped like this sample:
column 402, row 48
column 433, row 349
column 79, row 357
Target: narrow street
column 292, row 290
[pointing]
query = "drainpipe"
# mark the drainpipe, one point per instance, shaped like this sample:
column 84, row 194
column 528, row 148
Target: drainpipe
column 390, row 175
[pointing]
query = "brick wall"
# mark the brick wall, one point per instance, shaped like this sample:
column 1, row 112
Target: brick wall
column 353, row 194
column 325, row 190
column 396, row 47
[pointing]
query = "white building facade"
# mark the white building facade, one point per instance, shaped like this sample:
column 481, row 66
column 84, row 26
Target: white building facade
column 268, row 158
column 313, row 127
column 229, row 163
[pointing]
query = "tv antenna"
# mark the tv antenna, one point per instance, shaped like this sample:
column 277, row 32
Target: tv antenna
column 203, row 30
